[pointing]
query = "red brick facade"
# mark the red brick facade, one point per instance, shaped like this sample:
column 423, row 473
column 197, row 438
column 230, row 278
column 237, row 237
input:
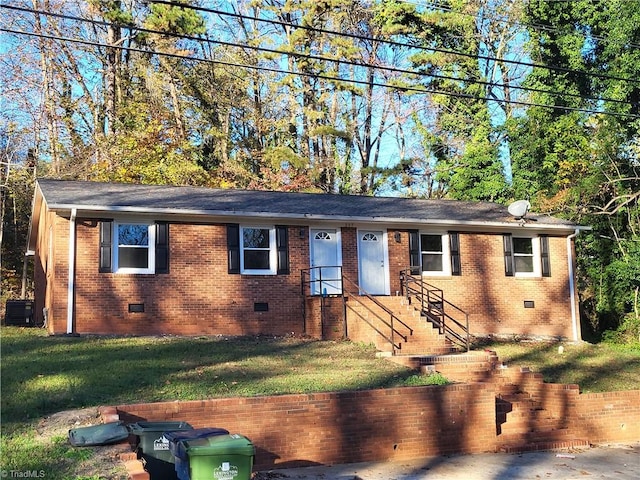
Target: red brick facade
column 494, row 301
column 199, row 296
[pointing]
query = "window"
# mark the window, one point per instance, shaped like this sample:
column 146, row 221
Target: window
column 254, row 250
column 526, row 256
column 523, row 255
column 258, row 250
column 434, row 253
column 431, row 252
column 134, row 252
column 134, row 247
column 323, row 236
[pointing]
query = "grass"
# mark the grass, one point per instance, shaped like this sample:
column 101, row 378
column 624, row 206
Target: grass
column 601, row 367
column 42, row 375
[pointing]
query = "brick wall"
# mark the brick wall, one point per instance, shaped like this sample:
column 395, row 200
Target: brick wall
column 324, row 317
column 41, row 287
column 609, row 417
column 52, row 272
column 494, row 301
column 198, row 296
column 393, row 424
column 326, row 428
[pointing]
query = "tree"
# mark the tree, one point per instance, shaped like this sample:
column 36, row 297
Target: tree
column 581, row 164
column 462, row 144
column 17, row 175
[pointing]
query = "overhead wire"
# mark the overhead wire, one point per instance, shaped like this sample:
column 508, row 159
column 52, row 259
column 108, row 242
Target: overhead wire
column 319, row 58
column 394, row 43
column 535, row 26
column 403, row 88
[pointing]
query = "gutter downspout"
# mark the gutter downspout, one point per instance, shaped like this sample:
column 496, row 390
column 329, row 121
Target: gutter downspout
column 72, row 270
column 572, row 285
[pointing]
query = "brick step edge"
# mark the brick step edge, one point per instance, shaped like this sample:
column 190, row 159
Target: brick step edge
column 136, row 471
column 545, row 446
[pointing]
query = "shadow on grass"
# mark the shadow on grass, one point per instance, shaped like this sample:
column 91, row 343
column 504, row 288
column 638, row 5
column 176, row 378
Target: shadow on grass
column 594, row 367
column 43, row 374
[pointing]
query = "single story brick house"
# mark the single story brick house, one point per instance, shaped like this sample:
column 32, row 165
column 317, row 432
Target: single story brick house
column 143, row 259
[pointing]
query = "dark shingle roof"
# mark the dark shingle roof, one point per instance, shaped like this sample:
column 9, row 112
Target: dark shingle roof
column 96, row 197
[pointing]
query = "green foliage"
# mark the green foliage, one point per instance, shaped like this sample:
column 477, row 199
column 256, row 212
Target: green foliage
column 627, row 334
column 579, row 164
column 468, row 167
column 178, row 20
column 622, row 279
column 112, row 11
column 430, row 379
column 147, row 152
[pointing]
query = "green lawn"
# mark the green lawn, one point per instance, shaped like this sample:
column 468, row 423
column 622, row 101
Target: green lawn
column 601, row 367
column 42, row 375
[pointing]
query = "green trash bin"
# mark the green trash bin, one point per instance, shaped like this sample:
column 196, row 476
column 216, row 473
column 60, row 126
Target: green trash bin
column 220, row 457
column 153, row 447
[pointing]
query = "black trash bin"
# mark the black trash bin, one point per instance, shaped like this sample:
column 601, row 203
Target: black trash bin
column 177, row 448
column 153, row 447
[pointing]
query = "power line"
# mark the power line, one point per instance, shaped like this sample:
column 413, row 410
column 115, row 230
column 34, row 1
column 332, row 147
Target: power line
column 321, row 76
column 393, row 42
column 317, row 57
column 535, row 26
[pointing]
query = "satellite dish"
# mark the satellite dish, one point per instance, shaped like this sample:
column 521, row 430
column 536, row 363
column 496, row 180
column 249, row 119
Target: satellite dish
column 519, row 209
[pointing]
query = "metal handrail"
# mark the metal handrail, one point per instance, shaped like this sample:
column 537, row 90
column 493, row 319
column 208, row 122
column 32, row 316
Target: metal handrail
column 307, row 288
column 394, row 319
column 432, row 304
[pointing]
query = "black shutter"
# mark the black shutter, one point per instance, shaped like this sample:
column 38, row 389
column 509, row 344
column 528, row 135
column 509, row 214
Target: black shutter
column 106, row 246
column 233, row 247
column 162, row 247
column 454, row 243
column 282, row 243
column 544, row 256
column 508, row 255
column 414, row 252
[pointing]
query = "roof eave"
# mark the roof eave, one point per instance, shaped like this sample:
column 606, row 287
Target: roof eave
column 97, row 210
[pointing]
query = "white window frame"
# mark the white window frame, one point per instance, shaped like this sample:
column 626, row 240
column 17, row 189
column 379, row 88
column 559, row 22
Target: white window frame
column 446, row 256
column 536, row 257
column 151, row 269
column 273, row 252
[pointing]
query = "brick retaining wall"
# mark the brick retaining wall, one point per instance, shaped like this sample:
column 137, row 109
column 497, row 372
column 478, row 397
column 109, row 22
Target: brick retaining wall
column 609, row 417
column 346, row 427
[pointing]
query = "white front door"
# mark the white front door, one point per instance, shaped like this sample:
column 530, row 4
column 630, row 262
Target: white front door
column 325, row 254
column 372, row 261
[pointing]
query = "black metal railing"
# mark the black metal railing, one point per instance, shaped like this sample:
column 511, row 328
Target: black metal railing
column 329, row 281
column 432, row 304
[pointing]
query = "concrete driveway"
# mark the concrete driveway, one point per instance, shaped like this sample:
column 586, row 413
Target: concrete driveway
column 620, row 462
